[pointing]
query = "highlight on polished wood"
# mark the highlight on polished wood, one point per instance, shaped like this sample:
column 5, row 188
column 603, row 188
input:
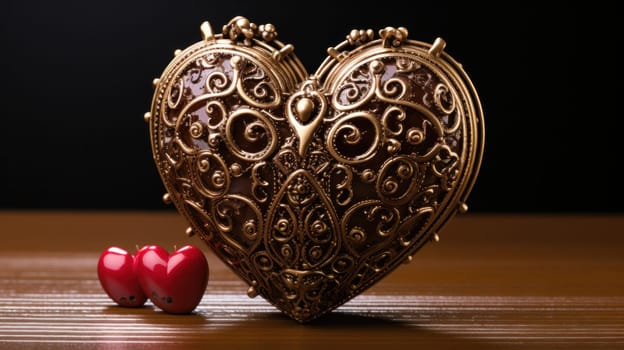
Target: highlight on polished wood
column 492, row 282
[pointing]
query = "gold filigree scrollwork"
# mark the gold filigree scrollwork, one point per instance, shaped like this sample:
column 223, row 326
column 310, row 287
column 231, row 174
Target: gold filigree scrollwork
column 318, row 239
column 416, row 136
column 250, row 134
column 282, row 234
column 263, row 261
column 197, row 211
column 398, row 180
column 444, row 100
column 197, row 130
column 287, row 161
column 445, row 165
column 259, row 186
column 216, row 112
column 208, row 61
column 368, row 176
column 344, row 185
column 257, row 89
column 284, row 223
column 317, row 160
column 391, row 120
column 183, row 134
column 354, row 138
column 303, row 291
column 381, row 260
column 433, row 120
column 359, row 88
column 175, row 94
column 218, row 84
column 393, row 89
column 239, row 221
column 371, row 82
column 411, row 229
column 210, row 174
column 304, row 223
column 342, row 264
column 405, row 65
column 314, row 187
column 368, row 226
column 300, row 191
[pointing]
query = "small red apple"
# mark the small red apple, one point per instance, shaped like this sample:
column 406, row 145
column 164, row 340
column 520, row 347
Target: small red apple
column 175, row 283
column 116, row 271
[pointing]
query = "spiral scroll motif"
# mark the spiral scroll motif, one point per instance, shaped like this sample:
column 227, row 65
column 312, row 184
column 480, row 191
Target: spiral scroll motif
column 354, row 138
column 258, row 139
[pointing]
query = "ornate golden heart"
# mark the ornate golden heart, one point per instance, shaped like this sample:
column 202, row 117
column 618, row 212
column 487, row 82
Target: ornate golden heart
column 314, row 187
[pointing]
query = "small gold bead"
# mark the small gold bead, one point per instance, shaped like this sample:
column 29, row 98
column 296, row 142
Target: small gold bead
column 166, row 198
column 252, row 292
column 236, row 169
column 189, row 232
column 463, row 208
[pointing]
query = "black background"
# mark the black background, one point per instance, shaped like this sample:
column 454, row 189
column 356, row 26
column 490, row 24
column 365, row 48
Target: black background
column 76, row 80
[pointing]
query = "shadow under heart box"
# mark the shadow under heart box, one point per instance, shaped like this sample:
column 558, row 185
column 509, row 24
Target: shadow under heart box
column 313, row 187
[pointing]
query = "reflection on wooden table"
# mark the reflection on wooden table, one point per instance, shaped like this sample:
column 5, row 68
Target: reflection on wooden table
column 493, row 282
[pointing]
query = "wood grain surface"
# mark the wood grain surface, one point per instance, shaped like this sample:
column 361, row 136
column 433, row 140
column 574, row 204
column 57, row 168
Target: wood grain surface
column 492, row 282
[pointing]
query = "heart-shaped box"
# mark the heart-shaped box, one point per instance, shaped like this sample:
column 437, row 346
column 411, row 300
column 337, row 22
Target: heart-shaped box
column 314, row 187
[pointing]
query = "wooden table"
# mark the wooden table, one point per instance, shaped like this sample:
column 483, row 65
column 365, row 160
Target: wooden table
column 492, row 282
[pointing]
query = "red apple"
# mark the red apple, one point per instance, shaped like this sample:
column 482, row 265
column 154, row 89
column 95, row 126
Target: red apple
column 175, row 283
column 116, row 271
